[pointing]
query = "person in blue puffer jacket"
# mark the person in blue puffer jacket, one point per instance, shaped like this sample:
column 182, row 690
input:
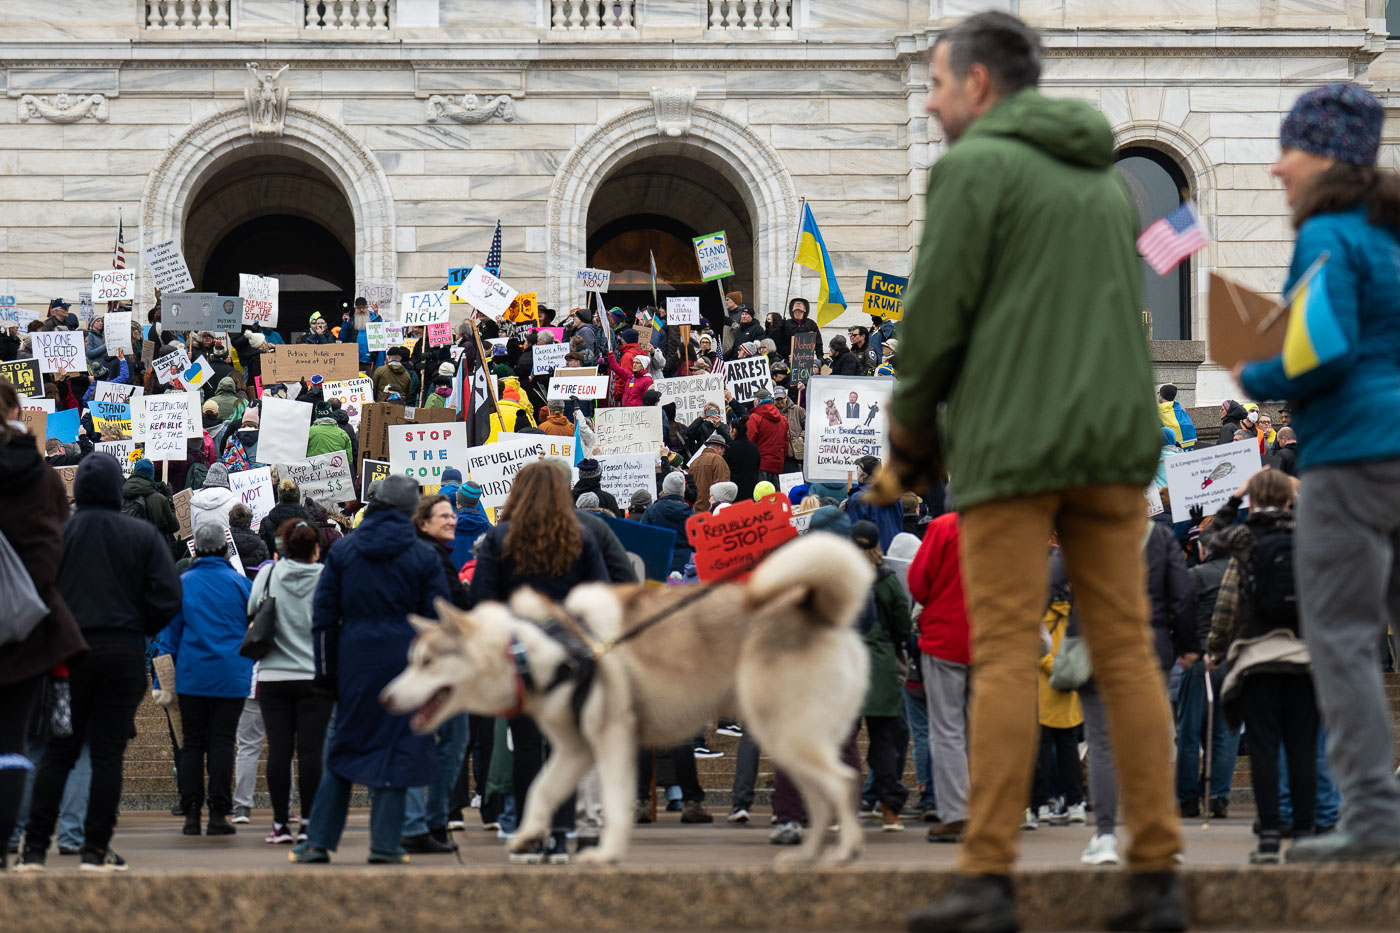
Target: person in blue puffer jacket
column 672, row 511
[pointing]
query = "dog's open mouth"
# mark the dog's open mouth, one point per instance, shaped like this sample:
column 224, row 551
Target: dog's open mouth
column 428, row 710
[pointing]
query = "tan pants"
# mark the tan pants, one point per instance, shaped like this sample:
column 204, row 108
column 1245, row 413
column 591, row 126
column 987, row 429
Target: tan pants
column 1005, row 572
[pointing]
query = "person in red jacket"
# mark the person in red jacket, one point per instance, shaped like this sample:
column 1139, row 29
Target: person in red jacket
column 628, row 348
column 635, row 383
column 935, row 580
column 768, row 429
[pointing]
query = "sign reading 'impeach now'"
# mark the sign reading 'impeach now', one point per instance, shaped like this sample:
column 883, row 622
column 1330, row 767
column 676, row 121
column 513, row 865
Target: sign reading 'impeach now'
column 884, row 294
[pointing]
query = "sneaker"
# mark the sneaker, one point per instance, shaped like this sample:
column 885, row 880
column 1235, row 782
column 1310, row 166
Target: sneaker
column 242, row 815
column 1076, row 814
column 301, row 832
column 1101, row 850
column 641, row 813
column 557, row 852
column 491, row 827
column 70, row 850
column 1044, row 814
column 947, row 832
column 704, row 751
column 1028, row 820
column 889, row 820
column 425, row 844
column 279, row 836
column 308, row 855
column 869, row 810
column 476, row 802
column 738, row 815
column 1342, row 846
column 31, row 860
column 219, row 825
column 456, row 825
column 1059, row 816
column 1267, row 852
column 387, row 858
column 983, row 903
column 1154, row 903
column 694, row 812
column 731, row 729
column 1220, row 808
column 787, row 834
column 104, row 860
column 503, row 835
column 531, row 856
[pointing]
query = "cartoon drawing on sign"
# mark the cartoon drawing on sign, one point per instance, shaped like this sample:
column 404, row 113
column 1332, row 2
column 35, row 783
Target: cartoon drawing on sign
column 833, row 417
column 1220, row 472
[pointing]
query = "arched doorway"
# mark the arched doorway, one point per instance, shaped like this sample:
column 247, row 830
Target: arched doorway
column 1157, row 186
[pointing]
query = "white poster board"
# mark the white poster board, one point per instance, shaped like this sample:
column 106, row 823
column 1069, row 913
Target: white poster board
column 114, row 285
column 493, row 466
column 127, row 452
column 628, row 430
column 682, row 310
column 593, row 280
column 419, row 309
column 325, row 476
column 381, row 335
column 85, row 310
column 1210, row 475
column 172, row 366
column 744, row 377
column 424, row 451
column 115, row 392
column 786, row 482
column 165, row 426
column 712, row 252
column 691, row 394
column 354, row 395
column 259, row 294
column 283, row 430
column 60, row 351
column 116, row 331
column 585, row 388
column 551, row 445
column 845, row 421
column 624, row 474
column 485, row 292
column 254, row 489
column 548, row 357
column 166, row 263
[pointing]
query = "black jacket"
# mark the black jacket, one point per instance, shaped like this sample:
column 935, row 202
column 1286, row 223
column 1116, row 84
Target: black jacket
column 846, row 363
column 1207, row 576
column 281, row 512
column 1288, row 459
column 1173, row 596
column 460, row 599
column 594, row 484
column 251, row 549
column 742, row 457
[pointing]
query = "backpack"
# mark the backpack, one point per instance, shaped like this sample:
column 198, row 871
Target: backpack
column 135, row 507
column 1273, row 595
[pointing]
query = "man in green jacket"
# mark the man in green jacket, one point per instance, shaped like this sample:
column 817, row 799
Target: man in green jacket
column 1022, row 319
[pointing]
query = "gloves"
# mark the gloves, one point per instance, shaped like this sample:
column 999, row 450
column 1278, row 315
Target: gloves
column 162, row 698
column 1198, row 514
column 915, row 462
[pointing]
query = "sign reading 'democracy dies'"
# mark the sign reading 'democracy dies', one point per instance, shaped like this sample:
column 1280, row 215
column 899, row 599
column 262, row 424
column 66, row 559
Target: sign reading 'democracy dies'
column 493, row 466
column 423, row 451
column 167, row 267
column 188, row 311
column 629, row 430
column 419, row 309
column 324, row 476
column 846, row 420
column 712, row 250
column 584, row 388
column 593, row 280
column 682, row 310
column 259, row 294
column 1209, row 476
column 691, row 394
column 59, row 351
column 114, row 285
column 884, row 295
column 744, row 377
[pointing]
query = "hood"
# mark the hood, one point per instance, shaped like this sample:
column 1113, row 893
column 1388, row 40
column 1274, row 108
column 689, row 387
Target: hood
column 138, row 485
column 395, row 366
column 98, row 482
column 1068, row 130
column 316, row 510
column 1234, row 411
column 767, row 411
column 226, row 386
column 20, row 462
column 340, row 417
column 297, row 578
column 212, row 497
column 327, row 421
column 557, row 417
column 384, row 534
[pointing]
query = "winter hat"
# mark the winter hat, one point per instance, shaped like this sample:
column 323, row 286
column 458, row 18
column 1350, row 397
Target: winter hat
column 217, row 476
column 762, row 489
column 736, row 297
column 780, row 367
column 866, row 535
column 500, row 370
column 584, row 314
column 673, row 484
column 144, row 467
column 717, row 438
column 724, row 492
column 288, row 491
column 838, row 342
column 210, row 407
column 589, row 468
column 651, row 397
column 448, row 370
column 209, row 540
column 629, row 335
column 468, row 494
column 830, row 518
column 257, row 341
column 451, row 475
column 98, row 481
column 397, row 492
column 1340, row 121
column 251, row 417
column 641, row 498
column 588, row 500
column 1167, row 392
column 749, row 348
column 639, row 362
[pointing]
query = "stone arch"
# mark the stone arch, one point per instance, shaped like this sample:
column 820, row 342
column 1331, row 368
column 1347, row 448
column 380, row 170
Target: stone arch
column 310, row 136
column 749, row 163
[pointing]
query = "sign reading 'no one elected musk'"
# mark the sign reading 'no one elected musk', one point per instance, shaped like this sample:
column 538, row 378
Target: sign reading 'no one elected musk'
column 423, row 451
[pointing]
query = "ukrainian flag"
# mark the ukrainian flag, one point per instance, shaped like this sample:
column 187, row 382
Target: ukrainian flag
column 811, row 252
column 1314, row 337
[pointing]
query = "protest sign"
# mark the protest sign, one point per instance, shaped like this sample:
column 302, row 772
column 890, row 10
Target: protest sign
column 172, row 366
column 803, row 357
column 116, row 331
column 372, row 470
column 292, row 362
column 259, row 294
column 585, row 388
column 376, row 293
column 802, row 521
column 381, row 335
column 786, row 481
column 1154, row 500
column 378, row 417
column 1210, row 475
column 624, row 474
column 732, row 542
column 63, row 425
column 551, row 445
column 254, row 489
column 354, row 395
column 682, row 310
column 556, row 332
column 524, row 307
column 197, row 374
column 30, row 403
column 691, row 394
column 844, row 424
column 114, row 285
column 111, row 420
column 712, row 250
column 190, row 311
column 649, row 542
column 228, row 314
column 439, row 333
column 284, row 427
column 85, row 311
column 1244, row 325
column 423, row 452
column 884, row 295
column 493, row 466
column 744, row 377
column 36, row 422
column 593, row 280
column 114, row 391
column 23, row 375
column 457, row 276
column 628, row 430
column 233, row 557
column 418, row 309
column 324, row 476
column 148, row 352
column 165, row 426
column 485, row 292
column 181, row 503
column 59, row 351
column 166, row 263
column 126, row 452
column 549, row 357
column 644, row 335
column 68, row 474
column 14, row 316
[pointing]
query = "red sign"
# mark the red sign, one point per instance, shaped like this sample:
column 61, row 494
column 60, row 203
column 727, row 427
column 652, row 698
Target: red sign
column 730, row 544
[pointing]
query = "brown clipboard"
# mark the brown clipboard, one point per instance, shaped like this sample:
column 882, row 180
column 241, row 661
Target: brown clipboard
column 1244, row 325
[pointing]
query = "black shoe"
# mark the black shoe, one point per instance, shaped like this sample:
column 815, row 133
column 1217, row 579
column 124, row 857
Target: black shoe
column 641, row 813
column 1220, row 808
column 440, row 834
column 979, row 904
column 1154, row 905
column 1190, row 809
column 192, row 827
column 585, row 842
column 70, row 850
column 1267, row 852
column 424, row 844
column 219, row 825
column 102, row 860
column 177, row 810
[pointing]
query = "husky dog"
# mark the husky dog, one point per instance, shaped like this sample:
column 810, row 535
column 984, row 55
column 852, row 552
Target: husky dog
column 779, row 649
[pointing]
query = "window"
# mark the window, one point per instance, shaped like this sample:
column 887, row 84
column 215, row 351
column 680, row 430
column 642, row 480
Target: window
column 1392, row 19
column 1157, row 185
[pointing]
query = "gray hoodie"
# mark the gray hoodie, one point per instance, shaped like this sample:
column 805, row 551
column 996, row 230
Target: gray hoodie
column 292, row 584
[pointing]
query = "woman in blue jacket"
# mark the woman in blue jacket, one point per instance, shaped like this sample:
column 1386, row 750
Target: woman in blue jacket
column 1339, row 368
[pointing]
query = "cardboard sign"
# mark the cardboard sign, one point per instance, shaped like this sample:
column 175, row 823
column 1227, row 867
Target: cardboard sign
column 485, row 292
column 1244, row 325
column 744, row 377
column 691, row 394
column 525, row 307
column 424, row 452
column 628, row 430
column 884, row 295
column 644, row 336
column 165, row 426
column 376, row 293
column 372, row 470
column 381, row 335
column 166, row 263
column 284, row 427
column 682, row 310
column 844, row 423
column 116, row 331
column 548, row 357
column 228, row 314
column 419, row 309
column 254, row 489
column 1210, row 475
column 624, row 474
column 259, row 294
column 114, row 285
column 36, row 422
column 325, row 476
column 333, row 362
column 68, row 474
column 493, row 466
column 354, row 395
column 731, row 543
column 585, row 388
column 126, row 452
column 60, row 351
column 593, row 280
column 193, row 311
column 171, row 367
column 378, row 417
column 23, row 375
column 181, row 503
column 111, row 421
column 712, row 250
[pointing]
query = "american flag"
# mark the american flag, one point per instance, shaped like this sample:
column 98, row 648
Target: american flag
column 1170, row 240
column 118, row 258
column 493, row 257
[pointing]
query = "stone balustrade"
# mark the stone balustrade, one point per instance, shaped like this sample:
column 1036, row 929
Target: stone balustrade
column 596, row 15
column 750, row 14
column 347, row 14
column 188, row 14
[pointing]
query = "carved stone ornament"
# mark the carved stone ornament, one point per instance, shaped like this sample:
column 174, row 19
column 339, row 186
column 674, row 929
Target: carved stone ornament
column 471, row 110
column 267, row 101
column 673, row 106
column 65, row 108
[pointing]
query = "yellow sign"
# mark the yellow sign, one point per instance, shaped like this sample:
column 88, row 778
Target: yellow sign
column 884, row 295
column 525, row 307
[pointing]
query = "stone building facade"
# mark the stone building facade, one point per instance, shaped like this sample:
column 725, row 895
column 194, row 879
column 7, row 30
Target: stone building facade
column 380, row 140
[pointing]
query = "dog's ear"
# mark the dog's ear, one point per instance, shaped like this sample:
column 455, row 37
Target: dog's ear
column 421, row 625
column 454, row 619
column 528, row 603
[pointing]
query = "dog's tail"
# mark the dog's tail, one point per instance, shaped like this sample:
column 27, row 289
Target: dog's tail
column 829, row 574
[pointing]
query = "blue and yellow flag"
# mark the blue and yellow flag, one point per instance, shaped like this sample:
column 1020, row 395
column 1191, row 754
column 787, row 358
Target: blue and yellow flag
column 1313, row 337
column 811, row 252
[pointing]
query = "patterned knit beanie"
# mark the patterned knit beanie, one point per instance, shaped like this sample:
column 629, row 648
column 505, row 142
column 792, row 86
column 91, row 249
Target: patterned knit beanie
column 1339, row 121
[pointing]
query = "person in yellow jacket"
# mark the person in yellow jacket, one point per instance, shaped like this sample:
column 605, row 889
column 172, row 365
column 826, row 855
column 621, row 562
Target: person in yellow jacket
column 1060, row 722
